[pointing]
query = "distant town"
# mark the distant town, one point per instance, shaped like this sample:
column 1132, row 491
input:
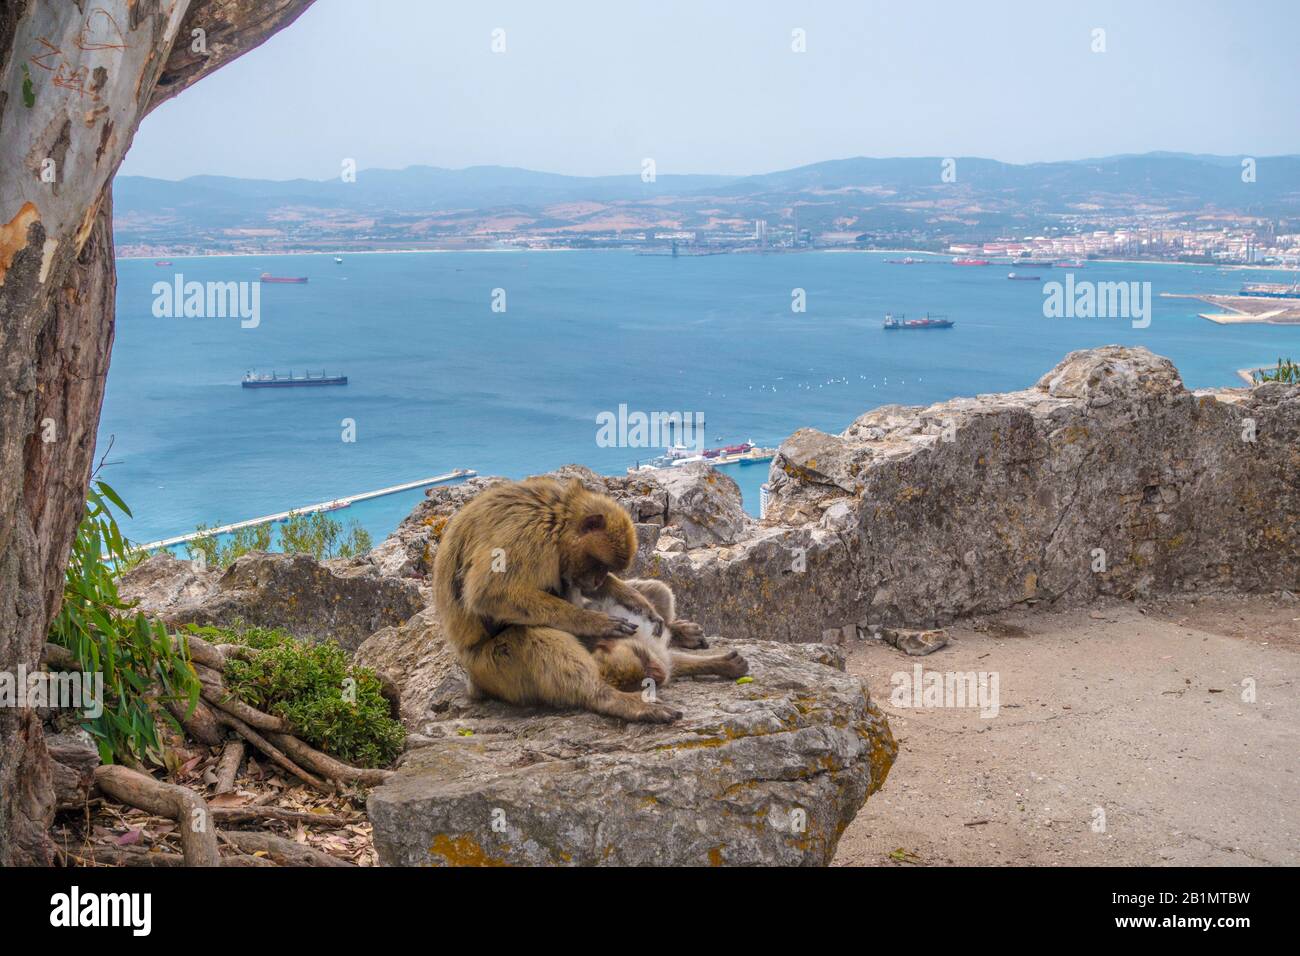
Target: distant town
column 1166, row 207
column 1260, row 247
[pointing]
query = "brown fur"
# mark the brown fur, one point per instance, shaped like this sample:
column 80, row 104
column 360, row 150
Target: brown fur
column 502, row 564
column 649, row 604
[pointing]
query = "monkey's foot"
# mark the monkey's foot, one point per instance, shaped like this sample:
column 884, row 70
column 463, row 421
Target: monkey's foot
column 655, row 671
column 688, row 634
column 733, row 665
column 630, row 706
column 658, row 714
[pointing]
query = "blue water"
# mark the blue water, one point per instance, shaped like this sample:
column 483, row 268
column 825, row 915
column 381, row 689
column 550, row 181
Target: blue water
column 438, row 381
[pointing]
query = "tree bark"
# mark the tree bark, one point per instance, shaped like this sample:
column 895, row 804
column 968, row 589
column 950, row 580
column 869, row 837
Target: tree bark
column 190, row 811
column 75, row 81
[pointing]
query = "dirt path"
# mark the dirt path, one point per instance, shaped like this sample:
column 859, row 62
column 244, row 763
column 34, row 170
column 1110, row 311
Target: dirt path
column 1139, row 716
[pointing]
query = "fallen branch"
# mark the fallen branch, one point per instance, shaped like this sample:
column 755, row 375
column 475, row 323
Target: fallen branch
column 282, row 851
column 264, row 745
column 228, row 767
column 201, row 724
column 326, row 765
column 58, row 658
column 249, row 715
column 190, row 811
column 126, row 856
column 202, row 653
column 73, row 760
column 121, row 856
column 259, row 814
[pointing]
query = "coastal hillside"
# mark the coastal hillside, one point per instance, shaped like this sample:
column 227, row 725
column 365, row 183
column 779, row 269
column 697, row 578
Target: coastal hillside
column 928, row 198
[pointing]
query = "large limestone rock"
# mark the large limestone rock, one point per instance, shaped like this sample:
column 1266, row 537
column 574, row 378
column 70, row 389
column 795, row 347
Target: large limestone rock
column 416, row 659
column 310, row 600
column 768, row 772
column 778, row 583
column 1106, row 478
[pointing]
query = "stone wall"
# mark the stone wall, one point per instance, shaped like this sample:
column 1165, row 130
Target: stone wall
column 1108, row 477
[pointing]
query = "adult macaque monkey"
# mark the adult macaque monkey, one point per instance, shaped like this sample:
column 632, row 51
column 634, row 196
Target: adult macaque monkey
column 505, row 563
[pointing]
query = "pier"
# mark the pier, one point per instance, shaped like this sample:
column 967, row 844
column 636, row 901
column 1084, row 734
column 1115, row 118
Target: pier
column 311, row 509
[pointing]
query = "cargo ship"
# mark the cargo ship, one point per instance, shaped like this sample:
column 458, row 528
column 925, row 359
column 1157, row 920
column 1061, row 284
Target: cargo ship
column 929, row 322
column 905, row 261
column 1036, row 263
column 1020, row 277
column 964, row 261
column 253, row 379
column 267, row 277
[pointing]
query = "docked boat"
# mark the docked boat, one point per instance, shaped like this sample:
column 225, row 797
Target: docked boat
column 929, row 322
column 966, row 261
column 253, row 379
column 162, row 262
column 1270, row 290
column 1070, row 264
column 744, row 453
column 267, row 277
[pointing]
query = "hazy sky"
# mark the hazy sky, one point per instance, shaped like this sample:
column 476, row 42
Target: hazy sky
column 705, row 86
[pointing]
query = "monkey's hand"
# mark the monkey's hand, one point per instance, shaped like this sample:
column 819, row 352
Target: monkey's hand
column 614, row 627
column 687, row 634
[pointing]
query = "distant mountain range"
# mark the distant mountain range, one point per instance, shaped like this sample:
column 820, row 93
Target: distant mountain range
column 425, row 205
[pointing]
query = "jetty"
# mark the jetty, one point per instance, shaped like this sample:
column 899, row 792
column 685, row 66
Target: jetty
column 1251, row 308
column 333, row 505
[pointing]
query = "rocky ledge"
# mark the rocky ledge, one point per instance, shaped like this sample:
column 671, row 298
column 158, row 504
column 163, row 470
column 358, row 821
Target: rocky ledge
column 1107, row 478
column 309, row 599
column 765, row 772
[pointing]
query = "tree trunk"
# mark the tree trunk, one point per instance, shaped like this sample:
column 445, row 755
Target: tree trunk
column 76, row 79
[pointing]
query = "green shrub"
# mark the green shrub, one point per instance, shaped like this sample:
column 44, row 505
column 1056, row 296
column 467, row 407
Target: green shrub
column 1286, row 371
column 140, row 663
column 322, row 537
column 332, row 705
column 316, row 534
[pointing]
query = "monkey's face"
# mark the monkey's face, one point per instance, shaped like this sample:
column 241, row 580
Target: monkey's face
column 604, row 541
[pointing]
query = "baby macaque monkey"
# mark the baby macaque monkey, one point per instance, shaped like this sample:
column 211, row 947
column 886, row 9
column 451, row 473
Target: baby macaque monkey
column 625, row 662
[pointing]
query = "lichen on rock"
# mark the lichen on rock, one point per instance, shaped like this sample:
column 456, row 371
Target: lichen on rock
column 765, row 772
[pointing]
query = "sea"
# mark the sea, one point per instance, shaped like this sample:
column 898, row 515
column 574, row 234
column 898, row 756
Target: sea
column 505, row 362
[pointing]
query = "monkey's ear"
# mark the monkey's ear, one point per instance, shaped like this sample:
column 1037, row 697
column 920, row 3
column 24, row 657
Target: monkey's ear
column 595, row 522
